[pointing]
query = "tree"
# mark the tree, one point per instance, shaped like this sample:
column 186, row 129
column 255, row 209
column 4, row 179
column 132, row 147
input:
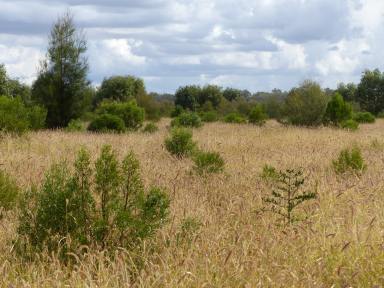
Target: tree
column 210, row 94
column 257, row 115
column 348, row 91
column 306, row 104
column 231, row 94
column 62, row 84
column 188, row 97
column 121, row 88
column 12, row 87
column 337, row 110
column 370, row 91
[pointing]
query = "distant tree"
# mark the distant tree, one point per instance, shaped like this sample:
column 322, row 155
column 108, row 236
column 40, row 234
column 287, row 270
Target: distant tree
column 121, row 88
column 62, row 82
column 12, row 87
column 3, row 81
column 306, row 104
column 337, row 110
column 231, row 94
column 187, row 97
column 348, row 91
column 370, row 91
column 210, row 94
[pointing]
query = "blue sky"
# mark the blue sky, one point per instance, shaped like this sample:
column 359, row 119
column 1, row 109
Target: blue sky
column 256, row 45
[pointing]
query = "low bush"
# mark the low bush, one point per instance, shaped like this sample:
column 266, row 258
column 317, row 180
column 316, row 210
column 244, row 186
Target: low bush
column 269, row 173
column 36, row 116
column 75, row 125
column 180, row 144
column 150, row 128
column 257, row 115
column 337, row 110
column 187, row 119
column 349, row 160
column 129, row 112
column 208, row 162
column 210, row 116
column 107, row 123
column 364, row 117
column 235, row 118
column 350, row 124
column 9, row 192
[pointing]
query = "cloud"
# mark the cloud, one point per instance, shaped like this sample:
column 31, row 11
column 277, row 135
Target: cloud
column 258, row 45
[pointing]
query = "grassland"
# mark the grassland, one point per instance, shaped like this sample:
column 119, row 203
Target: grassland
column 340, row 245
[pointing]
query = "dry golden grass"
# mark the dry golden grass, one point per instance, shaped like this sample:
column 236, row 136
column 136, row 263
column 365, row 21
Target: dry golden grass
column 341, row 244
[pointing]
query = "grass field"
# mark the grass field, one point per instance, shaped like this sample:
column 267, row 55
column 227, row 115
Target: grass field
column 340, row 245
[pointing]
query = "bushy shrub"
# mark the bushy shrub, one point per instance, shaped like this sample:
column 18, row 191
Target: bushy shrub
column 129, row 112
column 350, row 124
column 111, row 209
column 180, row 144
column 269, row 173
column 306, row 105
column 337, row 110
column 75, row 125
column 150, row 128
column 364, row 117
column 209, row 116
column 257, row 115
column 235, row 118
column 9, row 192
column 187, row 119
column 208, row 162
column 107, row 123
column 177, row 111
column 349, row 160
column 15, row 117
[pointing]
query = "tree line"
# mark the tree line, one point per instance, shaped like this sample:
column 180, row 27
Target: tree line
column 62, row 95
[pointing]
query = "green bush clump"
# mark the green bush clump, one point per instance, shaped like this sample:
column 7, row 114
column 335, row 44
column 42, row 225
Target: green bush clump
column 17, row 118
column 235, row 118
column 209, row 116
column 350, row 124
column 208, row 162
column 180, row 144
column 364, row 117
column 187, row 119
column 337, row 110
column 257, row 115
column 349, row 160
column 105, row 207
column 9, row 192
column 269, row 173
column 107, row 123
column 75, row 125
column 150, row 128
column 131, row 114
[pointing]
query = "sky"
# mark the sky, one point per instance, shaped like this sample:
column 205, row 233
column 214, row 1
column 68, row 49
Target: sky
column 257, row 45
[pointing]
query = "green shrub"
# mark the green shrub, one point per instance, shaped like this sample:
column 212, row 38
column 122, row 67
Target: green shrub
column 177, row 111
column 350, row 125
column 208, row 162
column 306, row 105
column 349, row 160
column 180, row 144
column 364, row 117
column 337, row 110
column 75, row 125
column 107, row 123
column 150, row 128
column 209, row 116
column 235, row 118
column 187, row 119
column 257, row 115
column 129, row 112
column 269, row 173
column 9, row 192
column 36, row 116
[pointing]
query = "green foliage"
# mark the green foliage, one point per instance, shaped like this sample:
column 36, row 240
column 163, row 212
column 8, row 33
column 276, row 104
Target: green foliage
column 349, row 160
column 208, row 162
column 75, row 125
column 107, row 123
column 337, row 110
column 177, row 111
column 235, row 118
column 209, row 116
column 306, row 105
column 269, row 173
column 370, row 91
column 180, row 144
column 287, row 195
column 350, row 124
column 9, row 192
column 364, row 117
column 194, row 97
column 231, row 94
column 111, row 209
column 257, row 115
column 187, row 119
column 129, row 112
column 62, row 86
column 188, row 230
column 150, row 128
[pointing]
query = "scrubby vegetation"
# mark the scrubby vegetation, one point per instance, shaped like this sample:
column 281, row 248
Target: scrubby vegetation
column 349, row 160
column 180, row 143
